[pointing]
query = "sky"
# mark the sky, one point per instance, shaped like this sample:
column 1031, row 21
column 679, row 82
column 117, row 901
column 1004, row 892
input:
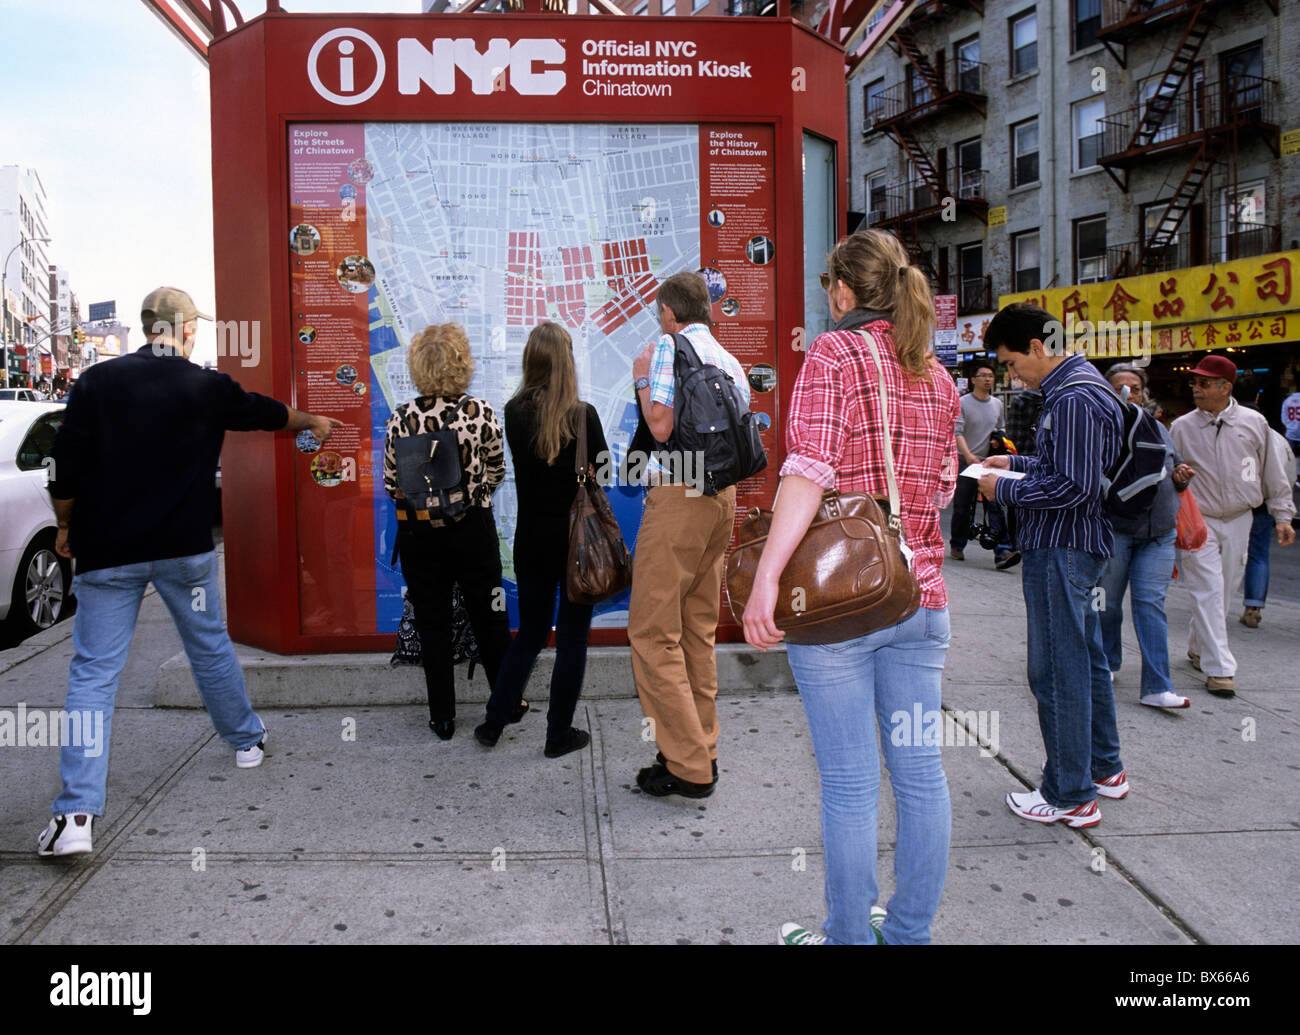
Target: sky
column 112, row 112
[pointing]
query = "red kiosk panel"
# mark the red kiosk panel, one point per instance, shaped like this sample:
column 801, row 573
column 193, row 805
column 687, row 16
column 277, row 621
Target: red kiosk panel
column 494, row 171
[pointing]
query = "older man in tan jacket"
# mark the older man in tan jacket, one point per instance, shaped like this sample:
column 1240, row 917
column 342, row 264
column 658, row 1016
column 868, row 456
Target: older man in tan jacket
column 1228, row 447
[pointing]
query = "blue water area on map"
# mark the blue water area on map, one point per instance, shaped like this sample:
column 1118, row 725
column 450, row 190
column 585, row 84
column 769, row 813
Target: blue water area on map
column 388, row 577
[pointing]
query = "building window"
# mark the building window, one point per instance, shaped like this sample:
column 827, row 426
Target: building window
column 1090, row 250
column 1182, row 116
column 918, row 90
column 1024, row 43
column 970, row 174
column 1024, row 153
column 972, row 294
column 1243, row 82
column 1024, row 258
column 1087, row 20
column 873, row 101
column 968, row 65
column 1088, row 133
column 875, row 198
column 1243, row 221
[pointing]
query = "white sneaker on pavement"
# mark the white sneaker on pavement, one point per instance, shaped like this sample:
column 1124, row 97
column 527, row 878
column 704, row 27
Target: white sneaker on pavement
column 66, row 835
column 251, row 757
column 1031, row 805
column 1166, row 699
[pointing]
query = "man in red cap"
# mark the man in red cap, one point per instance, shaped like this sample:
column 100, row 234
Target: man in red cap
column 1227, row 445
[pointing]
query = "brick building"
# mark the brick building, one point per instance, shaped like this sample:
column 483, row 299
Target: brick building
column 1098, row 156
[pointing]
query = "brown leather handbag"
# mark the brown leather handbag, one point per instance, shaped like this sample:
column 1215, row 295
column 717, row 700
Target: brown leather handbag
column 848, row 576
column 599, row 564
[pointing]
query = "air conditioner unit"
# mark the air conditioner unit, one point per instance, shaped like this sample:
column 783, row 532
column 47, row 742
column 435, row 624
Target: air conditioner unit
column 875, row 215
column 868, row 123
column 968, row 190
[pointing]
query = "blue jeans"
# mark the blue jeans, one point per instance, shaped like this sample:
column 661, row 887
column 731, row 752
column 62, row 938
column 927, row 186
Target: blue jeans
column 1068, row 674
column 852, row 694
column 1144, row 567
column 1255, row 586
column 108, row 602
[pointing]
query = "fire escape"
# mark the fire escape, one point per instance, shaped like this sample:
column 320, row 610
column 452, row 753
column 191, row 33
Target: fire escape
column 1184, row 117
column 932, row 192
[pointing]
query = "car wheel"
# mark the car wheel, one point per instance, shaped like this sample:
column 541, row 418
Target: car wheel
column 42, row 592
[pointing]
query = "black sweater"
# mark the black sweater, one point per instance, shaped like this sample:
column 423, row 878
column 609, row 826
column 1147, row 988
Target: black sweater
column 138, row 452
column 545, row 493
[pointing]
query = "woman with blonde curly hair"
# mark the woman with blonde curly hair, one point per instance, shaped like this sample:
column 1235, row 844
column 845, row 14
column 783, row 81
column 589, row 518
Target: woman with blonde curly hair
column 437, row 553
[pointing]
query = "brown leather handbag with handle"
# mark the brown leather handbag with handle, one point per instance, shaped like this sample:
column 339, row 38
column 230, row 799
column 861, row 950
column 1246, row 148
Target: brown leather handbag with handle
column 848, row 576
column 599, row 564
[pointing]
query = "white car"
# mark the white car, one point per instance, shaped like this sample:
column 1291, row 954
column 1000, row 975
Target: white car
column 21, row 395
column 35, row 583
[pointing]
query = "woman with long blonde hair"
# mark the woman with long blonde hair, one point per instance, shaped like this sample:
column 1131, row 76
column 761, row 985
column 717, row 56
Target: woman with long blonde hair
column 835, row 438
column 542, row 422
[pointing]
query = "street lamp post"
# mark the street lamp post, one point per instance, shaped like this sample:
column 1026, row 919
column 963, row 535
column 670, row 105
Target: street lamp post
column 4, row 291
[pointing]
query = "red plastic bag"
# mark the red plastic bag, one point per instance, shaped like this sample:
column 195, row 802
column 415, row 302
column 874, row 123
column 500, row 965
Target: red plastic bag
column 1192, row 532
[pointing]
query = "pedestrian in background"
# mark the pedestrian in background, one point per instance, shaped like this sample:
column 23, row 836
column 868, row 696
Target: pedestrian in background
column 1255, row 582
column 852, row 691
column 1065, row 538
column 981, row 415
column 436, row 554
column 542, row 420
column 1228, row 447
column 1143, row 563
column 133, row 487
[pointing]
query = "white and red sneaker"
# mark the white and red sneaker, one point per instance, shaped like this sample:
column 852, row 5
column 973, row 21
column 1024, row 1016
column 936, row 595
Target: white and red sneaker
column 1031, row 805
column 1113, row 786
column 66, row 835
column 1166, row 699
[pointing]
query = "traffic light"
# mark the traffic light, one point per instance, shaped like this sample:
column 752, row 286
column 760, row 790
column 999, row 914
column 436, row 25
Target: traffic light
column 77, row 336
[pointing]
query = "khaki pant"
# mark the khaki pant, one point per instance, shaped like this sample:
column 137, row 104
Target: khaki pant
column 672, row 621
column 1213, row 575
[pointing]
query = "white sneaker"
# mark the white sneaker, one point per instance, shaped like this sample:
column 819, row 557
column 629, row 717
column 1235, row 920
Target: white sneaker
column 66, row 835
column 1166, row 699
column 251, row 757
column 1031, row 805
column 878, row 915
column 1113, row 786
column 793, row 934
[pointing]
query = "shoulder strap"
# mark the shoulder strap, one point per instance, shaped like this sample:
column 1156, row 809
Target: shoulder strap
column 580, row 458
column 895, row 521
column 684, row 345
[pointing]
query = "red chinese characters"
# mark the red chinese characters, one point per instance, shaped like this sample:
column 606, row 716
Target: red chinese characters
column 1119, row 302
column 1168, row 306
column 1074, row 305
column 1222, row 299
column 1276, row 282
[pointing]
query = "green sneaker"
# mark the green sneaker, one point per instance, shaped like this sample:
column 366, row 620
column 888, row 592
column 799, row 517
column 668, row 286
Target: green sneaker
column 878, row 915
column 793, row 934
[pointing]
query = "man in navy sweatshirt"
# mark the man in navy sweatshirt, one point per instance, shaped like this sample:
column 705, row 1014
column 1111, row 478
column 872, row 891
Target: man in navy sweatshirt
column 133, row 486
column 1064, row 538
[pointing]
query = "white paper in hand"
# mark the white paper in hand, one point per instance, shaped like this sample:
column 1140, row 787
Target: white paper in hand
column 979, row 470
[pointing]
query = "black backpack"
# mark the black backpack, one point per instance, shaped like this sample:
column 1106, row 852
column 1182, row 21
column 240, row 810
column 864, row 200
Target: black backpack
column 1130, row 485
column 429, row 473
column 712, row 421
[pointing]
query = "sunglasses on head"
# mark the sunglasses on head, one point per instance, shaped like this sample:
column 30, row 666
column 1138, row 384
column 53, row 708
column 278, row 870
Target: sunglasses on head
column 826, row 281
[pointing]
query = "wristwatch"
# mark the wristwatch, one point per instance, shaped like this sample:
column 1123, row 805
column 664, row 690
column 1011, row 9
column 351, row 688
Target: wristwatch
column 641, row 382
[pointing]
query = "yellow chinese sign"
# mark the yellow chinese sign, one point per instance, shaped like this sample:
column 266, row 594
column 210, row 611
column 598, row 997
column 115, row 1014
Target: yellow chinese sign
column 1237, row 303
column 1291, row 142
column 998, row 216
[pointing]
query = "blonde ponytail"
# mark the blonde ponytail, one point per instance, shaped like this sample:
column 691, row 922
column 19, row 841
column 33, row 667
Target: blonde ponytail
column 876, row 268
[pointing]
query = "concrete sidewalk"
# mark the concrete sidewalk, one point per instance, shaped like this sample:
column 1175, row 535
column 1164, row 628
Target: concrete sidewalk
column 361, row 827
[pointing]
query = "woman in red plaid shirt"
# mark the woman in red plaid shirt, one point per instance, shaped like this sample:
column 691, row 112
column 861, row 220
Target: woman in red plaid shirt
column 890, row 677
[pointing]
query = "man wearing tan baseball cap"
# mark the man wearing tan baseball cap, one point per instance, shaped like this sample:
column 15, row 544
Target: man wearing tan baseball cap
column 133, row 488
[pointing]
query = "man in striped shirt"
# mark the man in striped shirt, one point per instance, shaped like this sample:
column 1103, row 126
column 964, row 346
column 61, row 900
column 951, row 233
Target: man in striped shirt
column 1064, row 539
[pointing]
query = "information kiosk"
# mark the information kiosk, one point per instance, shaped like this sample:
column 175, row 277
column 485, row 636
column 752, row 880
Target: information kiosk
column 377, row 174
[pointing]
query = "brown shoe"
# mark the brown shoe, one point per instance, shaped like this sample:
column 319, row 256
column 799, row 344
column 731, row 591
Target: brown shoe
column 1221, row 686
column 1195, row 659
column 957, row 555
column 1250, row 618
